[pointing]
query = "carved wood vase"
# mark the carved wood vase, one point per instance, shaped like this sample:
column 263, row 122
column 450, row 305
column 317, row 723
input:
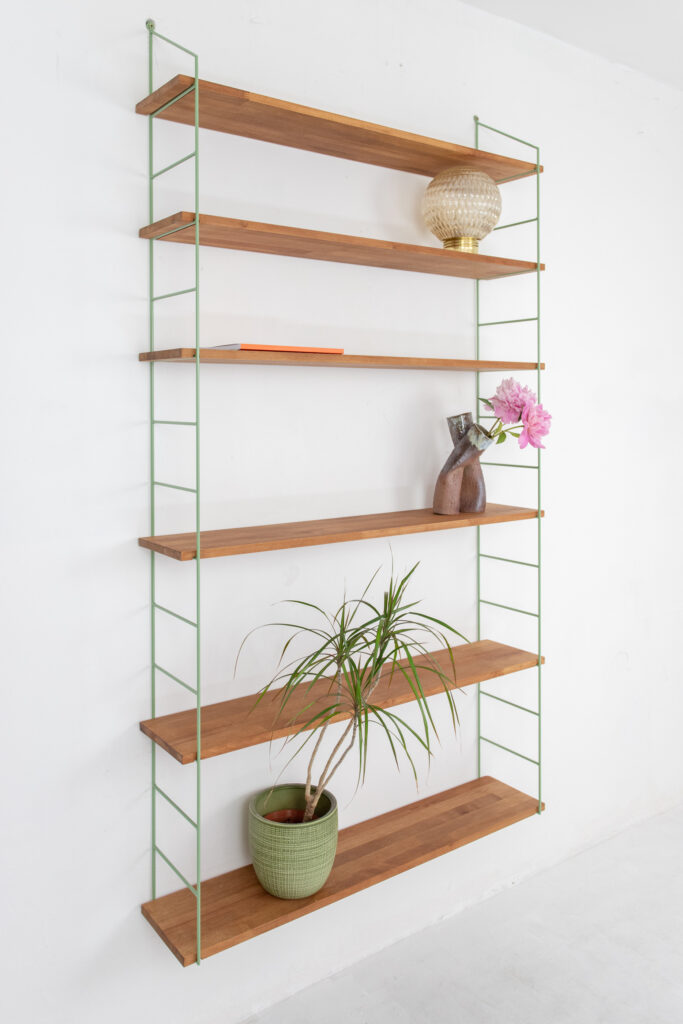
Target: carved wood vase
column 460, row 485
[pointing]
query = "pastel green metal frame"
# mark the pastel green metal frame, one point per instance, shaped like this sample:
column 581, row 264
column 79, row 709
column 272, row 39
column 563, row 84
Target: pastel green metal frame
column 195, row 624
column 156, row 790
column 537, row 711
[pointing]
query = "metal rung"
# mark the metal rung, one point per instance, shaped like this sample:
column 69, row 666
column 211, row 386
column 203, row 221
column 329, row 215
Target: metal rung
column 180, row 95
column 514, row 177
column 520, row 707
column 497, row 323
column 151, row 26
column 187, row 817
column 509, row 465
column 180, row 875
column 514, row 561
column 500, row 746
column 177, row 423
column 509, row 608
column 175, row 615
column 175, row 487
column 497, row 131
column 170, row 295
column 175, row 679
column 176, row 163
column 180, row 227
column 515, row 224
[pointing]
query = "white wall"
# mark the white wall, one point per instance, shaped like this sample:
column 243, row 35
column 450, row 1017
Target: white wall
column 294, row 444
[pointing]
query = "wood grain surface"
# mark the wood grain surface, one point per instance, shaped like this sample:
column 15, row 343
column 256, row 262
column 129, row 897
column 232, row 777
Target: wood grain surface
column 246, row 539
column 237, row 358
column 225, row 109
column 233, row 724
column 235, row 907
column 280, row 240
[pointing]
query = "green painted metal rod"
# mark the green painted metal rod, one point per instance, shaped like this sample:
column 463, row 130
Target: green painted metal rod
column 180, row 227
column 174, row 100
column 514, row 224
column 509, row 465
column 498, row 323
column 520, row 707
column 175, row 615
column 193, row 88
column 174, row 487
column 480, row 554
column 176, row 163
column 514, row 561
column 180, row 875
column 176, row 423
column 152, row 503
column 508, row 608
column 538, row 479
column 509, row 750
column 171, row 295
column 175, row 678
column 151, row 27
column 198, row 539
column 513, row 177
column 175, row 805
column 506, row 134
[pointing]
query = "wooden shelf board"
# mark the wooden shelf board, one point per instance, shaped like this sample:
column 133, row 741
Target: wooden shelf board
column 234, row 724
column 237, row 112
column 235, row 907
column 280, row 240
column 274, row 537
column 211, row 355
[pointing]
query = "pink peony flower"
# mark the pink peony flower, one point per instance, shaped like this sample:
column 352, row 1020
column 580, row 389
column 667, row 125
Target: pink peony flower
column 535, row 425
column 510, row 399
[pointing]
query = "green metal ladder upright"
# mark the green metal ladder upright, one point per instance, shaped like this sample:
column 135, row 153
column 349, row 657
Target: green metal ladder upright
column 537, row 711
column 195, row 624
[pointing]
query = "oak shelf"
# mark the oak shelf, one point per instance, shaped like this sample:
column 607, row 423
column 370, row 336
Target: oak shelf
column 237, row 112
column 234, row 724
column 277, row 536
column 235, row 907
column 280, row 240
column 226, row 356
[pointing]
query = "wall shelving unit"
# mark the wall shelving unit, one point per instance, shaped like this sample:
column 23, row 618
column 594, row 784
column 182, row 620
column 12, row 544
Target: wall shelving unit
column 206, row 917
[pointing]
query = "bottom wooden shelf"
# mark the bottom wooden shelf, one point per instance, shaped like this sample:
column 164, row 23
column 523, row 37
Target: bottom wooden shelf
column 235, row 907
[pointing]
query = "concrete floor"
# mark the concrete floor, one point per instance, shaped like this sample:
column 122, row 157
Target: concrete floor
column 596, row 940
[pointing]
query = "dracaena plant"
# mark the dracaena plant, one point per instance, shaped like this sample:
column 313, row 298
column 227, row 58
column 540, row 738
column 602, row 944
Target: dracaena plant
column 352, row 651
column 517, row 414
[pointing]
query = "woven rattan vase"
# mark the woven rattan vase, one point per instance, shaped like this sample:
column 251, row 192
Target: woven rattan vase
column 292, row 860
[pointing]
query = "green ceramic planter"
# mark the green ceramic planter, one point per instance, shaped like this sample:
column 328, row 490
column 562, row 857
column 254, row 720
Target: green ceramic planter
column 292, row 860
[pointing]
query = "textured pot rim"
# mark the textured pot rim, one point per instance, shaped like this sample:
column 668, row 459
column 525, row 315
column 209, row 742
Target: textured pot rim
column 291, row 824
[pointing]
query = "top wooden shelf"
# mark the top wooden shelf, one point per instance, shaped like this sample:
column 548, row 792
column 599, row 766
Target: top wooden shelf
column 244, row 540
column 237, row 112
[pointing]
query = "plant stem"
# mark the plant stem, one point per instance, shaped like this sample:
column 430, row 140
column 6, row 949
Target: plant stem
column 326, row 778
column 316, row 748
column 312, row 803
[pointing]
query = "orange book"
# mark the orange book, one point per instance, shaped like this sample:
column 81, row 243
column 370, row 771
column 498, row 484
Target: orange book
column 248, row 347
column 291, row 348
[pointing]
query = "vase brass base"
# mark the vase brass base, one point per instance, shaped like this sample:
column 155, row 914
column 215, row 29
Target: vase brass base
column 462, row 244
